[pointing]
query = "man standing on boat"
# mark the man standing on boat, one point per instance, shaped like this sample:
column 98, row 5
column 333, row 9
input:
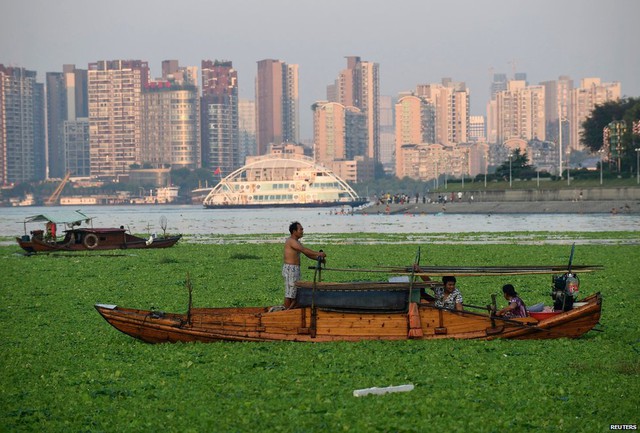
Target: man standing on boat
column 291, row 267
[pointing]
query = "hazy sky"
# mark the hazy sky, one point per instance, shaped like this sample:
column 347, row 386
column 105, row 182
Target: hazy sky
column 414, row 41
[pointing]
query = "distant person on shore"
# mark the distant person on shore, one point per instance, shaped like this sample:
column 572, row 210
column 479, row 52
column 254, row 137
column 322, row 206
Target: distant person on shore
column 447, row 296
column 291, row 267
column 516, row 307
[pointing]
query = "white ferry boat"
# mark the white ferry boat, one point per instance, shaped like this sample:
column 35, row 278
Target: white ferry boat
column 282, row 180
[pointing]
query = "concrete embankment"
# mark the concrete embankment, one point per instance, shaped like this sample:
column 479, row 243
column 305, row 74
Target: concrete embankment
column 588, row 200
column 609, row 206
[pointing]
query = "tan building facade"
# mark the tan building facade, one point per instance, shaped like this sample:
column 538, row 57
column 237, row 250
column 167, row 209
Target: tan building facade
column 340, row 139
column 359, row 86
column 520, row 112
column 414, row 121
column 115, row 118
column 277, row 118
column 329, row 131
column 451, row 104
column 170, row 126
column 436, row 161
column 584, row 99
column 359, row 169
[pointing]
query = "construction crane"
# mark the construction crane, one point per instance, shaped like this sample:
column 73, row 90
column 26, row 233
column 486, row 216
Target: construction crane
column 53, row 198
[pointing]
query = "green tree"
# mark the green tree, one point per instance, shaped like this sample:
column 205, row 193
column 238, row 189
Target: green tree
column 519, row 166
column 627, row 110
column 188, row 180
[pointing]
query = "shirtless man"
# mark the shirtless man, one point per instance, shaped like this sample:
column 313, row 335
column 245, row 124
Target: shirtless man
column 291, row 268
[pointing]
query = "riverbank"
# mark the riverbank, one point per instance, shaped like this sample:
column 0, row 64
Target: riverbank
column 509, row 207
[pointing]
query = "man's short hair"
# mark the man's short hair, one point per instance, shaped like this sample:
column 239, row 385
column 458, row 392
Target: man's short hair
column 293, row 226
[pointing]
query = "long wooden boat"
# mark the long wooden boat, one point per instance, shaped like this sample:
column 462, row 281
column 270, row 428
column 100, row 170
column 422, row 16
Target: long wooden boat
column 84, row 238
column 348, row 312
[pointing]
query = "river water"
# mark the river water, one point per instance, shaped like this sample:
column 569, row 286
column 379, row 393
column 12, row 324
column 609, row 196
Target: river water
column 196, row 220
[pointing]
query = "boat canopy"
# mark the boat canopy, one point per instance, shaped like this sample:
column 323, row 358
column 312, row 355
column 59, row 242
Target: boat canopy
column 65, row 217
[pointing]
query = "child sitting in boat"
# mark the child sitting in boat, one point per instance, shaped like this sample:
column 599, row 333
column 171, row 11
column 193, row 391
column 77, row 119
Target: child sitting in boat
column 516, row 307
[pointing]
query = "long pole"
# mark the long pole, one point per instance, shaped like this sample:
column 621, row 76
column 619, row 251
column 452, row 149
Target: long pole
column 509, row 170
column 600, row 171
column 637, row 165
column 568, row 170
column 559, row 141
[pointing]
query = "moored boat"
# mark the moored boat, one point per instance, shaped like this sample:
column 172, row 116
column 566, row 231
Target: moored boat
column 282, row 180
column 78, row 238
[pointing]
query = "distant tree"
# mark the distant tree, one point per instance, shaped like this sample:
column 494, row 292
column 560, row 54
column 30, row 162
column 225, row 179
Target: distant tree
column 520, row 167
column 188, row 180
column 627, row 110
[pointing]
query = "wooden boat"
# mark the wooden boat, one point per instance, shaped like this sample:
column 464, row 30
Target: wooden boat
column 84, row 238
column 351, row 312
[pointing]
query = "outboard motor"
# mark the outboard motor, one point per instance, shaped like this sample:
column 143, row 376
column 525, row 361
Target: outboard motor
column 564, row 291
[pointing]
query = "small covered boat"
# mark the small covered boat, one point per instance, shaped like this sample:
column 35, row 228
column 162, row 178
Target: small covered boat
column 78, row 238
column 358, row 311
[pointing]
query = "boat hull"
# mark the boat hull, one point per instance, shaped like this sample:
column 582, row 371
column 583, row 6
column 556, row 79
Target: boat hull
column 94, row 240
column 288, row 205
column 313, row 324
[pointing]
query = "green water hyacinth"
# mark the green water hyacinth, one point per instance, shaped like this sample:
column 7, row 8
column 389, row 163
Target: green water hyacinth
column 63, row 368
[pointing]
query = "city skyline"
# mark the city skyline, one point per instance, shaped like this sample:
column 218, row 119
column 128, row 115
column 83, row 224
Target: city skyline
column 414, row 43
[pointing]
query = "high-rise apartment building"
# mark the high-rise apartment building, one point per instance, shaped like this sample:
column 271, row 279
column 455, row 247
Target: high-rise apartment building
column 584, row 99
column 277, row 104
column 498, row 84
column 247, row 128
column 359, row 86
column 22, row 130
column 451, row 104
column 328, row 131
column 557, row 101
column 115, row 116
column 339, row 132
column 520, row 112
column 434, row 161
column 477, row 129
column 77, row 156
column 66, row 101
column 414, row 125
column 219, row 116
column 387, row 134
column 170, row 119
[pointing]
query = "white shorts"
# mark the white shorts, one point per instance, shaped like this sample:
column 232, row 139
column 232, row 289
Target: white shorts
column 291, row 274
